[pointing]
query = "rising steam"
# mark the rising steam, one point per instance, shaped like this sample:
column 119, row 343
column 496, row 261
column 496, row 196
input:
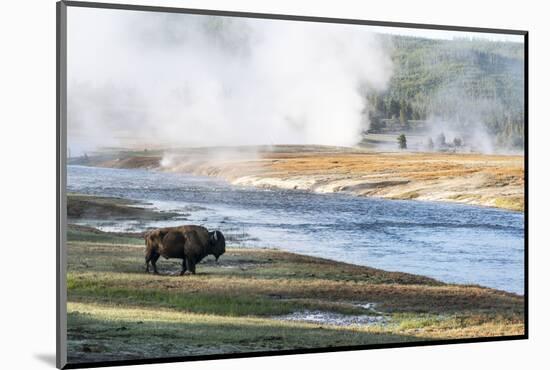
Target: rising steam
column 157, row 80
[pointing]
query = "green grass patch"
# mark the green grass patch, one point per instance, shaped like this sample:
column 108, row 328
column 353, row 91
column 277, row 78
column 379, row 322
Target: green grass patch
column 229, row 304
column 116, row 332
column 511, row 203
column 466, row 196
column 408, row 321
column 75, row 234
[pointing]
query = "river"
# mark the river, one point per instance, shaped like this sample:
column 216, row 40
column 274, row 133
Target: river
column 450, row 242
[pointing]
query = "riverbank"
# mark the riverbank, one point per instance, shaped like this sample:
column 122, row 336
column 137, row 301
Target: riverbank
column 88, row 207
column 477, row 179
column 259, row 300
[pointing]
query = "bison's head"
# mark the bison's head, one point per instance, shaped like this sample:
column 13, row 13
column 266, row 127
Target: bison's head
column 216, row 242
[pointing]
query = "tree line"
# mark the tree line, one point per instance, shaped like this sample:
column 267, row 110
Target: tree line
column 464, row 83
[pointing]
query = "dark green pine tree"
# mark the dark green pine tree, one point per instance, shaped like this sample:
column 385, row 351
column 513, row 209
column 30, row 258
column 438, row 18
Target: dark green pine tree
column 402, row 141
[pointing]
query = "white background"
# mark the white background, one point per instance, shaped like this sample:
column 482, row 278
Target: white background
column 27, row 207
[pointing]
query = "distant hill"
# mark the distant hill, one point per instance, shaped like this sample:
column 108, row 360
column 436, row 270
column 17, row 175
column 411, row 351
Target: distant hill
column 467, row 86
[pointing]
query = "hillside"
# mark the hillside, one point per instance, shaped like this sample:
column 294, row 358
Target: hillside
column 465, row 86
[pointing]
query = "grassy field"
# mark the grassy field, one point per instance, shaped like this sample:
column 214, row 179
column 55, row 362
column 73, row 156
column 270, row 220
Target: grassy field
column 250, row 300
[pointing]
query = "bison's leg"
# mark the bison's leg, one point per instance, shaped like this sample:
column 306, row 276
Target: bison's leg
column 154, row 260
column 191, row 265
column 148, row 257
column 183, row 266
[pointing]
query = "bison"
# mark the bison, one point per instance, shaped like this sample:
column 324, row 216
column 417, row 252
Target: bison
column 191, row 243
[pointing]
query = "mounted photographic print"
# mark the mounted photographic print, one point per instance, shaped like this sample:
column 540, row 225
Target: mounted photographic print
column 236, row 184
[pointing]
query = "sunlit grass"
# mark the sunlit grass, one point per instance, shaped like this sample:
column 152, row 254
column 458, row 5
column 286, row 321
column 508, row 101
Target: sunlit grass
column 118, row 332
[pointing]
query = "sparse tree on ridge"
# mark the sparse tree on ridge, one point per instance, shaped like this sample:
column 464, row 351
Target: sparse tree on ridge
column 430, row 144
column 440, row 140
column 402, row 141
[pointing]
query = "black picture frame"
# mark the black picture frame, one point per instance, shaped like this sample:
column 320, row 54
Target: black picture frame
column 61, row 214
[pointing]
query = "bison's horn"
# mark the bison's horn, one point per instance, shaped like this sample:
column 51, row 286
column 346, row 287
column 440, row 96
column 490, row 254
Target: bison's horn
column 215, row 235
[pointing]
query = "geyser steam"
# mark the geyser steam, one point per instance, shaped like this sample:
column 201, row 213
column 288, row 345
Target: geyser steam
column 157, row 80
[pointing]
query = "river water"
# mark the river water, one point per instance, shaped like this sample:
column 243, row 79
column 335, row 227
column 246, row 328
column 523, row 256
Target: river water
column 450, row 242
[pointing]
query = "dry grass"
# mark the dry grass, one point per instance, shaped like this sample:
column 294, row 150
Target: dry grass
column 499, row 175
column 490, row 180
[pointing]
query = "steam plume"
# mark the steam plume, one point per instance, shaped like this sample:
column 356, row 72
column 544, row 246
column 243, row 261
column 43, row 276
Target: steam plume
column 153, row 79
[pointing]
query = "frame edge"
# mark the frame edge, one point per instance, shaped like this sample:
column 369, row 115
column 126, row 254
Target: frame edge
column 61, row 126
column 61, row 160
column 288, row 17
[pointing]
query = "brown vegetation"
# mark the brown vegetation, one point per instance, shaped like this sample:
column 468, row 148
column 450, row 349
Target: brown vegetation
column 488, row 180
